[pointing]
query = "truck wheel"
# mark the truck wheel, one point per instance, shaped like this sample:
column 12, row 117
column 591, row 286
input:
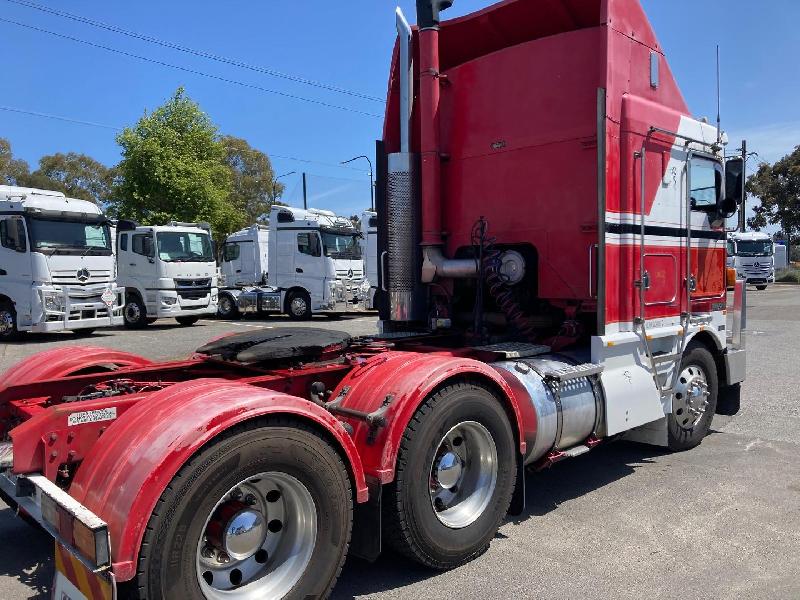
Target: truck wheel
column 227, row 309
column 298, row 305
column 455, row 478
column 134, row 314
column 8, row 322
column 761, row 287
column 265, row 512
column 694, row 399
column 187, row 321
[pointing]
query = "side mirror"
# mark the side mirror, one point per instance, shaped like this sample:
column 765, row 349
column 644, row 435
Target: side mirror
column 734, row 186
column 147, row 248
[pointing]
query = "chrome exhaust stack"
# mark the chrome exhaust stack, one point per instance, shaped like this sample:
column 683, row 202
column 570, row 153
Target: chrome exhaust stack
column 401, row 194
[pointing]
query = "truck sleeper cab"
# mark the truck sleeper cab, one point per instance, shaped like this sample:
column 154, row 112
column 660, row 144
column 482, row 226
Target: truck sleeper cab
column 167, row 272
column 56, row 264
column 554, row 276
column 315, row 266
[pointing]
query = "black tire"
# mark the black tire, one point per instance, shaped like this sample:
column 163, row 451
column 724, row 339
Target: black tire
column 293, row 308
column 167, row 559
column 412, row 526
column 8, row 314
column 761, row 288
column 187, row 321
column 227, row 309
column 682, row 435
column 134, row 314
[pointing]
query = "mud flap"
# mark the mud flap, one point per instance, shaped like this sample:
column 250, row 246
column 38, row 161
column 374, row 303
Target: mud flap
column 366, row 540
column 74, row 581
column 517, row 505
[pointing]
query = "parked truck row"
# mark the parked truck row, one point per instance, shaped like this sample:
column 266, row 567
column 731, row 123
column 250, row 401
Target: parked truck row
column 550, row 228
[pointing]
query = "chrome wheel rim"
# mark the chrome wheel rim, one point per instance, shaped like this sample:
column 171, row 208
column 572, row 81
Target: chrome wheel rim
column 6, row 322
column 258, row 539
column 225, row 305
column 690, row 401
column 463, row 474
column 132, row 313
column 298, row 306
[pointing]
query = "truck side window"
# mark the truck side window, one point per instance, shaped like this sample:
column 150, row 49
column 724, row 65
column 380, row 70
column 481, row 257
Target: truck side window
column 230, row 252
column 706, row 183
column 12, row 235
column 123, row 242
column 138, row 244
column 308, row 243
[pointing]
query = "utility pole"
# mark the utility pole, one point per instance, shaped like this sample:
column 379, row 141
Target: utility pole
column 743, row 208
column 305, row 192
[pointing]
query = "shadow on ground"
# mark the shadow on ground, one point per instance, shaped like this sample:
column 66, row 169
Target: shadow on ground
column 26, row 554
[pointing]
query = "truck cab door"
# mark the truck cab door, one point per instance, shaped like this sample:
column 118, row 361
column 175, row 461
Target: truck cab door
column 707, row 246
column 139, row 261
column 247, row 264
column 16, row 273
column 308, row 264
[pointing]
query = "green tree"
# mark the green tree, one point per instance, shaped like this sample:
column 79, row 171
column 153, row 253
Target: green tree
column 13, row 171
column 173, row 167
column 254, row 189
column 778, row 188
column 77, row 175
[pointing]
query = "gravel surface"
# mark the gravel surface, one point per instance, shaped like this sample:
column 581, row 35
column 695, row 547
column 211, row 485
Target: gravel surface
column 623, row 521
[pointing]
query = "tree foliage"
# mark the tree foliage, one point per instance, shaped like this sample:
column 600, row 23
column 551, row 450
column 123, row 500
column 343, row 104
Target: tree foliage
column 13, row 171
column 254, row 188
column 778, row 188
column 77, row 175
column 173, row 167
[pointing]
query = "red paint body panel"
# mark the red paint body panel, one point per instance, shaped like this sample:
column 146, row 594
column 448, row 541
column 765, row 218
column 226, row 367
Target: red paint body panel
column 128, row 469
column 409, row 377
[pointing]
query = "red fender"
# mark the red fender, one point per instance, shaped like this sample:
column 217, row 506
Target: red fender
column 62, row 362
column 404, row 380
column 126, row 472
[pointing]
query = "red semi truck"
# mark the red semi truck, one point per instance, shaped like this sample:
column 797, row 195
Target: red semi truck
column 552, row 277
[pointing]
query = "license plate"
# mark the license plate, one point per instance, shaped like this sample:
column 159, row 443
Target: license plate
column 74, row 581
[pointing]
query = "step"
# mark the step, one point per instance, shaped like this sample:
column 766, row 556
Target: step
column 664, row 358
column 576, row 451
column 573, row 372
column 6, row 455
column 514, row 349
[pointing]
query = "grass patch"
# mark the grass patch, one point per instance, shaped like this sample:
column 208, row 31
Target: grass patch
column 790, row 275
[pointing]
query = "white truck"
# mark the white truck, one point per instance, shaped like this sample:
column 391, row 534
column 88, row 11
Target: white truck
column 369, row 250
column 167, row 271
column 313, row 260
column 56, row 264
column 752, row 254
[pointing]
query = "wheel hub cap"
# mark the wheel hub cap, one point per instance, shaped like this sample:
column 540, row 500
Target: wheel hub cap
column 132, row 312
column 690, row 401
column 463, row 474
column 6, row 322
column 298, row 306
column 243, row 534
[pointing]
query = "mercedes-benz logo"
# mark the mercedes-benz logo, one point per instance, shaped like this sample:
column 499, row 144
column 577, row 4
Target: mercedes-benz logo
column 350, row 274
column 756, row 264
column 83, row 275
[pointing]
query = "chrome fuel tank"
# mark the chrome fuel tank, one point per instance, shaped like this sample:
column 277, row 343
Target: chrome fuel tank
column 578, row 405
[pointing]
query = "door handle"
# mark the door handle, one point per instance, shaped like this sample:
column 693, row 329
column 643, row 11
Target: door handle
column 3, row 272
column 238, row 270
column 298, row 270
column 132, row 264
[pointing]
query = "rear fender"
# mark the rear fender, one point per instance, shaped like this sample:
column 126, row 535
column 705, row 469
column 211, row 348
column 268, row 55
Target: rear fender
column 127, row 471
column 66, row 361
column 396, row 383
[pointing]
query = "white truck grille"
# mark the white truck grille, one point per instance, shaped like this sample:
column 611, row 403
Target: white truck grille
column 79, row 277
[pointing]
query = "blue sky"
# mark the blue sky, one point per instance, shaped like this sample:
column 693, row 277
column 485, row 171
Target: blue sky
column 344, row 44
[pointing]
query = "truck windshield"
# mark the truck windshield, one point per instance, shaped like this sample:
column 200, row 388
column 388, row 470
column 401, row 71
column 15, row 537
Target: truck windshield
column 341, row 245
column 754, row 248
column 64, row 236
column 184, row 246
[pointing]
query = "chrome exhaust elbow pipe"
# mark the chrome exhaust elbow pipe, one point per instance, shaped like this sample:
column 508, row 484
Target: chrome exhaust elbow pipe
column 406, row 69
column 434, row 264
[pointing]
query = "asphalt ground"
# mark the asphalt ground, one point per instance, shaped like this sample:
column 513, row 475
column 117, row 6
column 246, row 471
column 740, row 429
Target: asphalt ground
column 623, row 521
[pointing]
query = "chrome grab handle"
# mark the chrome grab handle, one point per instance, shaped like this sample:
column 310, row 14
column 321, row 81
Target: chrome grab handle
column 384, row 254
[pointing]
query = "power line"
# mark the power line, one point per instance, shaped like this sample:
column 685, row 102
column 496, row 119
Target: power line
column 33, row 113
column 58, row 117
column 200, row 53
column 188, row 70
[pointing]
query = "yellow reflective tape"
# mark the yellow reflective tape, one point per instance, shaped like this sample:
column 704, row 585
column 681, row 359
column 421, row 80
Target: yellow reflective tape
column 83, row 581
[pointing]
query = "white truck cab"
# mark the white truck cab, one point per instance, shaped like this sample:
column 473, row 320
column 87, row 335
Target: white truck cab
column 314, row 265
column 56, row 264
column 369, row 250
column 752, row 254
column 168, row 271
column 245, row 256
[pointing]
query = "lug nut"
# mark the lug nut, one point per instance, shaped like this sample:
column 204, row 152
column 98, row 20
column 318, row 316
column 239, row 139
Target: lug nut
column 223, row 558
column 250, row 499
column 236, row 494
